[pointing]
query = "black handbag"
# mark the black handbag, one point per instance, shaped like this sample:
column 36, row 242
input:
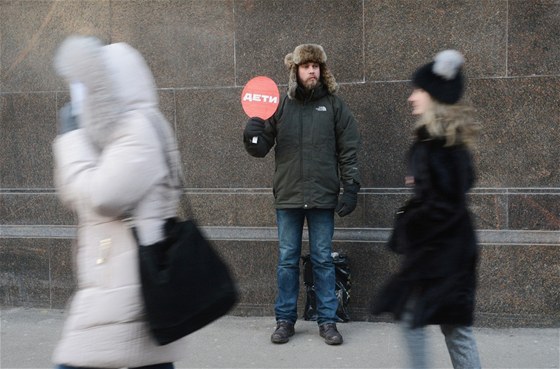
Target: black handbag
column 185, row 284
column 397, row 242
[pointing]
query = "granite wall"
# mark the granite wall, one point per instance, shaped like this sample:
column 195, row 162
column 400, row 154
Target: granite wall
column 203, row 52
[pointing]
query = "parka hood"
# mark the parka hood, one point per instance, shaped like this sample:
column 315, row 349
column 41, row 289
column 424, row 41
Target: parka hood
column 116, row 77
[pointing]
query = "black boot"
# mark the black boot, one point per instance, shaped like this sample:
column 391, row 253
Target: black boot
column 284, row 330
column 329, row 332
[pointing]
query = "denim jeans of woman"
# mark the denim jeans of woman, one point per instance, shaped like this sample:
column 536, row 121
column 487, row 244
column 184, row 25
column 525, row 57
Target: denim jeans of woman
column 320, row 223
column 154, row 366
column 459, row 340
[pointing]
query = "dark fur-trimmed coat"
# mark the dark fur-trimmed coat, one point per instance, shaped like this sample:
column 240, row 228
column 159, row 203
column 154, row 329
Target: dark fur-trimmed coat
column 436, row 237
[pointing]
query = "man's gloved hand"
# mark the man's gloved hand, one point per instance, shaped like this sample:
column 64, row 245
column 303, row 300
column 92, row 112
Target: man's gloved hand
column 254, row 127
column 66, row 121
column 348, row 200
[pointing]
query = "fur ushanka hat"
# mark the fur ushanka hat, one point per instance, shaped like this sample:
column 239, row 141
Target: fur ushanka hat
column 304, row 54
column 442, row 78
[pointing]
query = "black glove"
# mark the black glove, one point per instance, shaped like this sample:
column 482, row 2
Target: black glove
column 348, row 200
column 66, row 121
column 254, row 127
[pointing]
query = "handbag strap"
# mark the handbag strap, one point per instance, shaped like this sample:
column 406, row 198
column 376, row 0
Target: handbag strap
column 170, row 150
column 173, row 161
column 172, row 157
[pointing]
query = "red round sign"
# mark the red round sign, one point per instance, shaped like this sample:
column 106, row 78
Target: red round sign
column 260, row 97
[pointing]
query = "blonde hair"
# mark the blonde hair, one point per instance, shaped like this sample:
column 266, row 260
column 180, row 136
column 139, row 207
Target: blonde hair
column 455, row 123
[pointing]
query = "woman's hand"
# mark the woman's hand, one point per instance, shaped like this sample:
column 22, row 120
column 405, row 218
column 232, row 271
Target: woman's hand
column 409, row 181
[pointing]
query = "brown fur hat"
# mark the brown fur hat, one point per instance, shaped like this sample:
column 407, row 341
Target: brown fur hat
column 306, row 53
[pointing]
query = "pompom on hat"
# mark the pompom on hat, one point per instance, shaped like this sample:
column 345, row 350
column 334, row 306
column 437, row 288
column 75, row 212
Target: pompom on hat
column 442, row 78
column 308, row 53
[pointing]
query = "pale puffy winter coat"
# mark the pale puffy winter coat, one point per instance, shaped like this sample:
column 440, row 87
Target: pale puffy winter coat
column 112, row 166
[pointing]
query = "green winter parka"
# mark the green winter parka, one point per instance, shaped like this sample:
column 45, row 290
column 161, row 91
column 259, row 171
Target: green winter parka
column 316, row 140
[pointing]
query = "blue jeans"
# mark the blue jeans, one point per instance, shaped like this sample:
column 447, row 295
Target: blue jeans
column 154, row 366
column 320, row 223
column 459, row 340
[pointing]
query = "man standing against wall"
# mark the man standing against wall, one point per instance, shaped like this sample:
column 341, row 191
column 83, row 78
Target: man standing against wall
column 316, row 141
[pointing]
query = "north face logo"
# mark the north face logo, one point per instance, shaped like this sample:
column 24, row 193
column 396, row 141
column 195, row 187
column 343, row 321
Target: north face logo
column 321, row 108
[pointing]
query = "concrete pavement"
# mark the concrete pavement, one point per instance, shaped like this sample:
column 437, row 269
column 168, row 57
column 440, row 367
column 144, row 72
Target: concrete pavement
column 29, row 335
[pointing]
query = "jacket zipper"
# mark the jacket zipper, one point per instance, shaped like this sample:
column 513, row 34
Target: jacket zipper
column 301, row 154
column 305, row 103
column 102, row 258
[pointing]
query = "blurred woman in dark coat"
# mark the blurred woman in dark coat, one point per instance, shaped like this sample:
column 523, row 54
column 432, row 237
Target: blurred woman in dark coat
column 437, row 280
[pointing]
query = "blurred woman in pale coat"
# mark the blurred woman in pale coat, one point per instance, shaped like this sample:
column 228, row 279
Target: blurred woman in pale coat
column 115, row 156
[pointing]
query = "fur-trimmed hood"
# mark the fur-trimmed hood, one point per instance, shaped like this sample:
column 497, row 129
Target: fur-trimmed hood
column 116, row 78
column 308, row 53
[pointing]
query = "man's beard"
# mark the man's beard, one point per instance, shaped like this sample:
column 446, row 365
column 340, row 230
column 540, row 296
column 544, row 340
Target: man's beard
column 310, row 84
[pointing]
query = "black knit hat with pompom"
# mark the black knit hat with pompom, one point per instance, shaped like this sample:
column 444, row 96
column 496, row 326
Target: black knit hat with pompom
column 442, row 78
